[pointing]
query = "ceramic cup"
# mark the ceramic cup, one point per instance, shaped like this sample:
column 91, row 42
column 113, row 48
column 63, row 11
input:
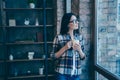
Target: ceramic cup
column 30, row 55
column 32, row 5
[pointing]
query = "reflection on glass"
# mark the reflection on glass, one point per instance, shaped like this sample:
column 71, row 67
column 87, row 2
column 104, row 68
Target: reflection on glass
column 108, row 35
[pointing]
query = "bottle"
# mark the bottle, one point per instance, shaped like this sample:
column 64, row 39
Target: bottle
column 36, row 23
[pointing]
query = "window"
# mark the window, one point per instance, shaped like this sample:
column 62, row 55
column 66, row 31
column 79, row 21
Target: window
column 108, row 35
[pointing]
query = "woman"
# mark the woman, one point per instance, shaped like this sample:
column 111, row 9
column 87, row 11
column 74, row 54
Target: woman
column 68, row 49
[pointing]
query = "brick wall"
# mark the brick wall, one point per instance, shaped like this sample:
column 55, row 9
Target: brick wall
column 86, row 15
column 60, row 12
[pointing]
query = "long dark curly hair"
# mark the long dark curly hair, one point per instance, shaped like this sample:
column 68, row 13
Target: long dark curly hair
column 64, row 23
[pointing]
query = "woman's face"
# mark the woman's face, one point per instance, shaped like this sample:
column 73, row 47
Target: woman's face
column 73, row 25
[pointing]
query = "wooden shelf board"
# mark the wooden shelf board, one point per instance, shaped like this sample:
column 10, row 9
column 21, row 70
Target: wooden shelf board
column 26, row 8
column 49, row 59
column 21, row 60
column 31, row 76
column 50, row 75
column 27, row 42
column 1, row 61
column 27, row 26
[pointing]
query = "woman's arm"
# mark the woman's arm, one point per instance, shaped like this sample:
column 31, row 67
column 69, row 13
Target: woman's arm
column 63, row 49
column 57, row 51
column 82, row 55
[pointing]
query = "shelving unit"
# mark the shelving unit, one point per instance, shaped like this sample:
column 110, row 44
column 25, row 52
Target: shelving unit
column 27, row 30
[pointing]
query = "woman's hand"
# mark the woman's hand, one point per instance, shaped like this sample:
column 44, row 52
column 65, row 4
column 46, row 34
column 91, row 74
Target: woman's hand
column 69, row 44
column 76, row 45
column 63, row 49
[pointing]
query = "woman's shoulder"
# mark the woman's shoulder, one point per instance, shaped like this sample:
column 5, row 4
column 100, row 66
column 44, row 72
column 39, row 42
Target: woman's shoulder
column 79, row 36
column 59, row 36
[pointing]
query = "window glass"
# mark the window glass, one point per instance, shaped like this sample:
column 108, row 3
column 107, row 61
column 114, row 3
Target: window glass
column 100, row 77
column 108, row 35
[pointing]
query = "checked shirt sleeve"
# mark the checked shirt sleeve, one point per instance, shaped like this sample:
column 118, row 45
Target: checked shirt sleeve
column 82, row 43
column 55, row 47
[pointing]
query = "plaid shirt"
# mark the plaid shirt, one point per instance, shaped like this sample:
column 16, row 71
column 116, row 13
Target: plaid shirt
column 64, row 64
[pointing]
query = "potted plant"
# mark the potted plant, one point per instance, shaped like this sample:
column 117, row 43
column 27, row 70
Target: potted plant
column 31, row 3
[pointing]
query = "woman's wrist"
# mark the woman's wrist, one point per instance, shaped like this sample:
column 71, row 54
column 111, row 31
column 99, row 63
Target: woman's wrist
column 81, row 54
column 80, row 51
column 66, row 47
